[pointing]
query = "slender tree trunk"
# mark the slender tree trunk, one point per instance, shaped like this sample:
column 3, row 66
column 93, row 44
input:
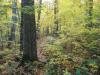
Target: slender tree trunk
column 39, row 16
column 13, row 25
column 47, row 31
column 56, row 16
column 90, row 14
column 21, row 30
column 1, row 40
column 28, row 31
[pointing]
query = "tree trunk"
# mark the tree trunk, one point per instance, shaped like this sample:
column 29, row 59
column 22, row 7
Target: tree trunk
column 13, row 25
column 28, row 31
column 38, row 20
column 1, row 40
column 56, row 17
column 90, row 14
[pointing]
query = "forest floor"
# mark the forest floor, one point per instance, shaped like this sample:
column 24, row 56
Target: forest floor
column 9, row 62
column 40, row 45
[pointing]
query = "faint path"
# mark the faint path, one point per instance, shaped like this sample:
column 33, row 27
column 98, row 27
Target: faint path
column 41, row 43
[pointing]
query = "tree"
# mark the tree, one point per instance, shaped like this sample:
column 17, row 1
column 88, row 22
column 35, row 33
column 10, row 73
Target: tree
column 1, row 44
column 28, row 28
column 90, row 13
column 56, row 16
column 11, row 37
column 39, row 15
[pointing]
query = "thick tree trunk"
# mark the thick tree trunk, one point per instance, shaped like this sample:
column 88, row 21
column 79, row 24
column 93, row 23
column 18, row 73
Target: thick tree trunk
column 29, row 31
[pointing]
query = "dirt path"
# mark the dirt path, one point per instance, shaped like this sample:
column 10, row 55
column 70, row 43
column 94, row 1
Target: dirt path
column 40, row 45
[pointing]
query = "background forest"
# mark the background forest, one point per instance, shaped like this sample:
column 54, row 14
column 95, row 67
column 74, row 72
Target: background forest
column 49, row 37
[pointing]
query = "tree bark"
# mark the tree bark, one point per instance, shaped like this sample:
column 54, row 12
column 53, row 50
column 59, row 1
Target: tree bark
column 90, row 14
column 28, row 31
column 39, row 16
column 56, row 15
column 56, row 26
column 11, row 37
